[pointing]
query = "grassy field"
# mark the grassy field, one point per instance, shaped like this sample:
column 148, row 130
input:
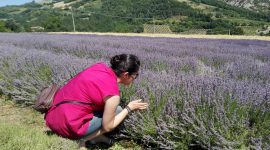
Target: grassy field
column 21, row 128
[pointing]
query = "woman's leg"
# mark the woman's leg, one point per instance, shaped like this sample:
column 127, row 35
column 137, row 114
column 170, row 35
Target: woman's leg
column 95, row 125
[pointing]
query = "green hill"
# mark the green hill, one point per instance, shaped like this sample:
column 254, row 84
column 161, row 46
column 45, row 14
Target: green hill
column 180, row 16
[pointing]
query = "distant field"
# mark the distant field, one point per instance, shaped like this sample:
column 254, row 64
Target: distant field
column 266, row 38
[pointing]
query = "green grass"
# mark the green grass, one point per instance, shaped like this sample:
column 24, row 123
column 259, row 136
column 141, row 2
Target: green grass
column 249, row 26
column 22, row 128
column 250, row 30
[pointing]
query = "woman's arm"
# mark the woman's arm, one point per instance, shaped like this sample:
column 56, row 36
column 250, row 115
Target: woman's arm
column 110, row 120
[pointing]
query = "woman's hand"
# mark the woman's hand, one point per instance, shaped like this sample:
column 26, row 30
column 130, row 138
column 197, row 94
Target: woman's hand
column 137, row 104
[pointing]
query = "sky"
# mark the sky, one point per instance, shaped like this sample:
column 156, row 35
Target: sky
column 13, row 2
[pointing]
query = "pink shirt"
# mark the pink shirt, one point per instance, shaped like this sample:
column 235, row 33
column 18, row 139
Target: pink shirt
column 92, row 85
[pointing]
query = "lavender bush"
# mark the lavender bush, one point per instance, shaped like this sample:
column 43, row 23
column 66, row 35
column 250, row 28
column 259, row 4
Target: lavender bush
column 208, row 94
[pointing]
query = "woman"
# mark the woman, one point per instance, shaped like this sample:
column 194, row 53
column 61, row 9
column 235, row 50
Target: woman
column 96, row 88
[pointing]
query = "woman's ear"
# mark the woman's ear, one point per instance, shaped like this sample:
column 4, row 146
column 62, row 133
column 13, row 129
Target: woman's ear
column 125, row 75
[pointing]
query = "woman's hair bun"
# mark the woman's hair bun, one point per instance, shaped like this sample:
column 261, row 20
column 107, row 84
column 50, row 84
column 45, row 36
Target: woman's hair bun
column 116, row 60
column 125, row 62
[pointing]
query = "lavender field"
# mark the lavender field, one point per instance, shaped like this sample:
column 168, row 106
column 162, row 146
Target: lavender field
column 203, row 94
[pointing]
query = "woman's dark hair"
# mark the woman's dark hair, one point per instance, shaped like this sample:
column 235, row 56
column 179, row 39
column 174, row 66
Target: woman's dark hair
column 125, row 63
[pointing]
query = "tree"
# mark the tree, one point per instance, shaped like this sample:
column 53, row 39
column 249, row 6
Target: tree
column 13, row 25
column 3, row 27
column 237, row 31
column 52, row 24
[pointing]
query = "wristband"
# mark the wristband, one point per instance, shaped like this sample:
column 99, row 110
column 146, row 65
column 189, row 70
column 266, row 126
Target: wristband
column 128, row 109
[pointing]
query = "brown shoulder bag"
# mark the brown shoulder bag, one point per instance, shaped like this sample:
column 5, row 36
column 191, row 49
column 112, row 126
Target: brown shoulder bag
column 45, row 97
column 44, row 100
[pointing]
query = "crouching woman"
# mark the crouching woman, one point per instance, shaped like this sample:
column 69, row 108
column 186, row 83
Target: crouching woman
column 96, row 94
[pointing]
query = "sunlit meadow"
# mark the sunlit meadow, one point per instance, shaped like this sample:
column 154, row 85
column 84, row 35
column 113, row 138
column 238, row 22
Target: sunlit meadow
column 203, row 93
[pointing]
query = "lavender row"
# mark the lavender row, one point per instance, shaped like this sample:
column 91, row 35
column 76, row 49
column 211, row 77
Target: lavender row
column 22, row 61
column 201, row 108
column 238, row 59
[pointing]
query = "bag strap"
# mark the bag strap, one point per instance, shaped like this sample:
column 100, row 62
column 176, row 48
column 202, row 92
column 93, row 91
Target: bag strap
column 73, row 102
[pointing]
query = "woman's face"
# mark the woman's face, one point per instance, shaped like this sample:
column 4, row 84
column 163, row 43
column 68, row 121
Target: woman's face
column 127, row 78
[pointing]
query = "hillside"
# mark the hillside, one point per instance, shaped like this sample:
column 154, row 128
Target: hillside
column 179, row 16
column 255, row 5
